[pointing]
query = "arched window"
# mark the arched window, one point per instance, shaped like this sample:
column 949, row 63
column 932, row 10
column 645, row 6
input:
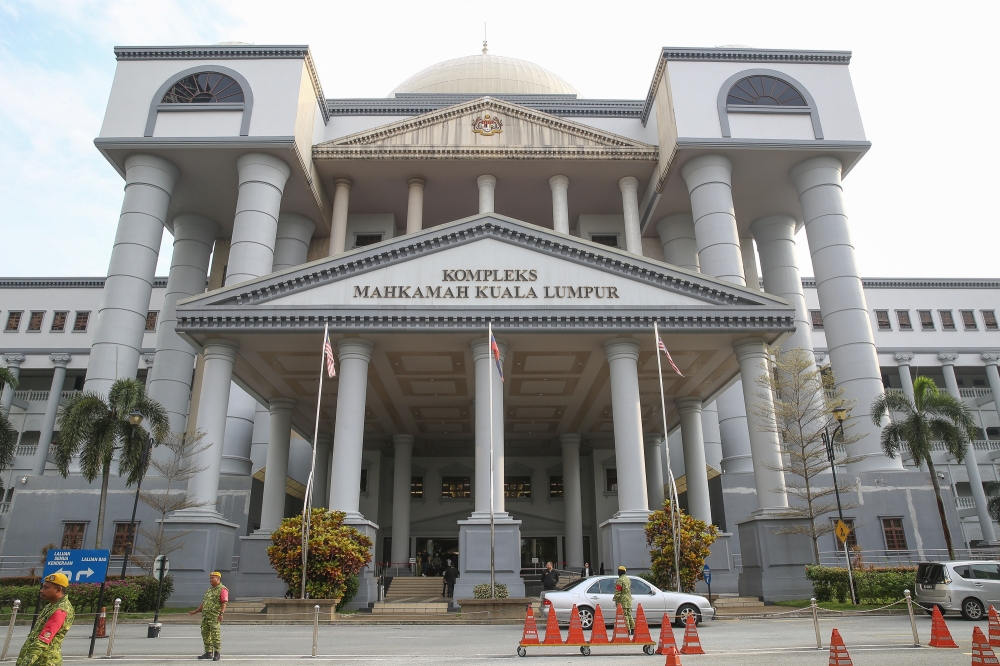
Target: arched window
column 764, row 91
column 204, row 88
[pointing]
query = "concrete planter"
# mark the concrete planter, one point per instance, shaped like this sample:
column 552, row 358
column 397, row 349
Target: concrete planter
column 300, row 609
column 494, row 609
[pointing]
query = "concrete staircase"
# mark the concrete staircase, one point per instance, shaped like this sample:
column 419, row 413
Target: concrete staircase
column 412, row 596
column 738, row 602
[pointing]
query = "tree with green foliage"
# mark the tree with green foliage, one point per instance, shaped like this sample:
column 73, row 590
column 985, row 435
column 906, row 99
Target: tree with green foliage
column 931, row 416
column 8, row 435
column 695, row 536
column 97, row 429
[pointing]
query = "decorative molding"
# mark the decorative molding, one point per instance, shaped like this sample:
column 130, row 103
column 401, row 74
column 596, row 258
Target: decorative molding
column 148, row 359
column 947, row 358
column 246, row 107
column 60, row 359
column 70, row 282
column 918, row 283
column 820, row 358
column 903, row 358
column 508, row 153
column 415, row 104
column 811, row 108
column 991, row 358
column 14, row 359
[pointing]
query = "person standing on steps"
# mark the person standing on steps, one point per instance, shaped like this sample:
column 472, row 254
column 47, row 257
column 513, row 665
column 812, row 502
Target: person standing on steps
column 43, row 647
column 587, row 571
column 550, row 579
column 450, row 576
column 212, row 608
column 623, row 597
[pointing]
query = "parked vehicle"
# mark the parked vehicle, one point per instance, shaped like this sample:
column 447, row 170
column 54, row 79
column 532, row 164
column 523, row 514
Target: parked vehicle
column 968, row 587
column 589, row 593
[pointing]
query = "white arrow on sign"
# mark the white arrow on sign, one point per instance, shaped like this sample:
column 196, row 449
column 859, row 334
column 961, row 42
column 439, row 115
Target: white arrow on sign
column 64, row 572
column 88, row 573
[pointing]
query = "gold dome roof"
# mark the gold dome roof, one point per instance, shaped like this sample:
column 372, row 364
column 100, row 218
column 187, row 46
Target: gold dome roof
column 485, row 75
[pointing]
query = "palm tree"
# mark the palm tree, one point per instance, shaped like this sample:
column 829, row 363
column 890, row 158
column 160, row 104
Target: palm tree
column 8, row 436
column 931, row 416
column 97, row 429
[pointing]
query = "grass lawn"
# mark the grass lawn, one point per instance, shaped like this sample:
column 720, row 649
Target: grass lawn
column 833, row 605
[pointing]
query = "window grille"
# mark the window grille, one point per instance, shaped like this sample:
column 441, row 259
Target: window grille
column 817, row 319
column 611, row 480
column 517, row 486
column 35, row 322
column 151, row 320
column 895, row 537
column 80, row 323
column 926, row 320
column 456, row 486
column 205, row 88
column 121, row 538
column 611, row 240
column 416, row 487
column 989, row 319
column 360, row 240
column 882, row 318
column 947, row 320
column 59, row 321
column 13, row 321
column 763, row 91
column 903, row 319
column 556, row 486
column 969, row 320
column 72, row 538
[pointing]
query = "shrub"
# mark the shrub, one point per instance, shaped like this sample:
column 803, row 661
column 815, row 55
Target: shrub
column 482, row 591
column 874, row 585
column 351, row 588
column 695, row 536
column 138, row 593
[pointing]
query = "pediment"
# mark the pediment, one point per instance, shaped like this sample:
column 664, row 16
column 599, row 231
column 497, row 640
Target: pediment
column 485, row 126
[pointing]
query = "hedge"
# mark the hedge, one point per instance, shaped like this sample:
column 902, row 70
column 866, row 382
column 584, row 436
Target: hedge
column 874, row 585
column 482, row 591
column 138, row 593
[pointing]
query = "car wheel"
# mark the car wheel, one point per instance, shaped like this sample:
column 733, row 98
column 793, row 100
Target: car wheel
column 972, row 609
column 684, row 611
column 586, row 616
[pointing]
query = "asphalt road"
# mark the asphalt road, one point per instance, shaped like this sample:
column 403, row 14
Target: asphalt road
column 765, row 642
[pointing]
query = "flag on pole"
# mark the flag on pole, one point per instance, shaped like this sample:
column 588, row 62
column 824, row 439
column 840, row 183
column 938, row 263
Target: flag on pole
column 495, row 350
column 663, row 348
column 331, row 368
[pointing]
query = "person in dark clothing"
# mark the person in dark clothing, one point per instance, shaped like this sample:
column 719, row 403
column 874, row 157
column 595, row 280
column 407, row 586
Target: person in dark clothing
column 602, row 568
column 587, row 571
column 450, row 574
column 424, row 563
column 550, row 579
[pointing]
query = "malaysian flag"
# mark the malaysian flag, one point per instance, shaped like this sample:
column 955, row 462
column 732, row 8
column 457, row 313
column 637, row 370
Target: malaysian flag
column 331, row 368
column 663, row 348
column 495, row 350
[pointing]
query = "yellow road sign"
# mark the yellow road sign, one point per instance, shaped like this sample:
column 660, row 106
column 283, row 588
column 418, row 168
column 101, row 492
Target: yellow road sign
column 843, row 531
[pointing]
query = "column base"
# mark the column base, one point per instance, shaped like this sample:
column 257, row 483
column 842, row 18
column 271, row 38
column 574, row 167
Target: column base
column 725, row 578
column 474, row 554
column 368, row 588
column 774, row 564
column 624, row 539
column 257, row 577
column 208, row 546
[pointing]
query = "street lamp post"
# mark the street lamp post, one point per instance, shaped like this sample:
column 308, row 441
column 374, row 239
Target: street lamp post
column 840, row 414
column 135, row 418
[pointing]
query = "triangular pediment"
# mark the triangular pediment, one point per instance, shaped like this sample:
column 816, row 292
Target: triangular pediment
column 486, row 125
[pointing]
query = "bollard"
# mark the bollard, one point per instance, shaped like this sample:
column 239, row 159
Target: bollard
column 815, row 610
column 102, row 630
column 315, row 628
column 114, row 623
column 913, row 621
column 10, row 628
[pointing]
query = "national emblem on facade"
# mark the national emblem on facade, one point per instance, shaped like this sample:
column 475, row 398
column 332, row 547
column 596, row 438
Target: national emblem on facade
column 487, row 125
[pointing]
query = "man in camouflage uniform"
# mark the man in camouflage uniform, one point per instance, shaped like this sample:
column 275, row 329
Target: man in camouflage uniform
column 623, row 597
column 44, row 644
column 212, row 608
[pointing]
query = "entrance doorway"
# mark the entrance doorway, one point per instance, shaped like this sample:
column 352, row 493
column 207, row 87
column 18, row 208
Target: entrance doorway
column 536, row 551
column 439, row 551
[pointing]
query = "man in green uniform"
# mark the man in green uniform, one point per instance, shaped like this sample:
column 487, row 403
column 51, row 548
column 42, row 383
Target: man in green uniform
column 44, row 644
column 623, row 597
column 212, row 608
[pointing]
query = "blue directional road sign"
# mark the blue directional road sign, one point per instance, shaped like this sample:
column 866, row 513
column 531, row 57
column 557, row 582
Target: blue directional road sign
column 707, row 573
column 80, row 566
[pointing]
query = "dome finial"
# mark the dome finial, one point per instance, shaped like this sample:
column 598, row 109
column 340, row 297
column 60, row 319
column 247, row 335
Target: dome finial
column 486, row 50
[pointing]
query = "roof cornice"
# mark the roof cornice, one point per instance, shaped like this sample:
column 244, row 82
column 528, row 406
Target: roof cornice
column 557, row 105
column 918, row 283
column 70, row 282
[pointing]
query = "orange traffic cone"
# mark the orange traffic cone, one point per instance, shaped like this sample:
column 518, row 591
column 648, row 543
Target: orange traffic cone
column 576, row 636
column 552, row 635
column 994, row 627
column 666, row 637
column 982, row 653
column 838, row 651
column 599, row 632
column 940, row 636
column 692, row 644
column 673, row 656
column 621, row 629
column 641, row 632
column 530, row 635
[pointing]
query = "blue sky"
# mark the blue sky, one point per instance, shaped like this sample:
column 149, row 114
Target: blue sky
column 922, row 202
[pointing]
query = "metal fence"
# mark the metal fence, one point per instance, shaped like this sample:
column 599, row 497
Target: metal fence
column 905, row 558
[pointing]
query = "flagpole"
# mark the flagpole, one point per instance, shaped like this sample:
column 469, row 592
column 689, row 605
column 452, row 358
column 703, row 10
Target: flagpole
column 674, row 509
column 493, row 579
column 307, row 504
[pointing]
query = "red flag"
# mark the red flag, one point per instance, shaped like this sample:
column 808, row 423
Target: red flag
column 331, row 368
column 495, row 350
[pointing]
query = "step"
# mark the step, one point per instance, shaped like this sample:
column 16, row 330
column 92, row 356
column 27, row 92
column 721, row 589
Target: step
column 739, row 602
column 389, row 608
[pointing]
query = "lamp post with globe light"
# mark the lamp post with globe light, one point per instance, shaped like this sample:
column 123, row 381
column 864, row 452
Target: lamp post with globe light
column 839, row 414
column 135, row 419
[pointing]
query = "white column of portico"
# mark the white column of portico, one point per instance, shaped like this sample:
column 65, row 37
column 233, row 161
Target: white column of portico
column 486, row 372
column 560, row 204
column 338, row 221
column 121, row 320
column 734, row 431
column 572, row 499
column 971, row 464
column 709, row 182
column 415, row 204
column 630, row 207
column 148, row 360
column 59, row 361
column 238, row 441
column 262, row 181
column 487, row 193
column 903, row 361
column 272, row 509
column 354, row 355
column 623, row 357
column 846, row 321
column 14, row 362
column 750, row 272
column 677, row 237
column 291, row 243
column 403, row 446
column 654, row 470
column 712, row 434
column 693, row 440
column 992, row 359
column 775, row 236
column 321, row 480
column 173, row 367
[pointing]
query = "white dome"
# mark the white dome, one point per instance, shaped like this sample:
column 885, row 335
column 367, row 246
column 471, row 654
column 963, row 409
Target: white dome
column 485, row 75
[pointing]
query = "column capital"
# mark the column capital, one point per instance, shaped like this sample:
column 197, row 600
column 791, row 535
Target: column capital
column 991, row 358
column 773, row 227
column 685, row 405
column 621, row 348
column 481, row 349
column 223, row 349
column 570, row 439
column 416, row 181
column 151, row 170
column 652, row 440
column 346, row 181
column 903, row 358
column 947, row 358
column 629, row 183
column 816, row 171
column 356, row 348
column 280, row 406
column 263, row 168
column 325, row 440
column 195, row 227
column 558, row 181
column 750, row 348
column 486, row 179
column 707, row 169
column 820, row 358
column 14, row 360
column 148, row 359
column 401, row 441
column 60, row 360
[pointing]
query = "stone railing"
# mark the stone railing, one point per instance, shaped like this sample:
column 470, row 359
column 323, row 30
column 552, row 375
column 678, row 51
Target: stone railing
column 965, row 502
column 40, row 396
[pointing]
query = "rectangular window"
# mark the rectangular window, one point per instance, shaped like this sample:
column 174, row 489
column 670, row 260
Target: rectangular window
column 611, row 240
column 852, row 538
column 817, row 319
column 121, row 538
column 969, row 320
column 456, row 486
column 364, row 480
column 611, row 480
column 895, row 538
column 151, row 320
column 416, row 486
column 903, row 319
column 555, row 486
column 360, row 240
column 35, row 322
column 13, row 321
column 59, row 321
column 73, row 536
column 80, row 323
column 882, row 318
column 517, row 486
column 947, row 321
column 926, row 320
column 989, row 319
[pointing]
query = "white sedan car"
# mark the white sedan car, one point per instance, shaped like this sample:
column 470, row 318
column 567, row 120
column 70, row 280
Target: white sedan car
column 589, row 593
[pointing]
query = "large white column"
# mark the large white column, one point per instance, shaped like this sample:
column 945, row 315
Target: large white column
column 403, row 445
column 121, row 320
column 903, row 360
column 696, row 473
column 486, row 372
column 258, row 439
column 734, row 431
column 750, row 272
column 59, row 361
column 764, row 445
column 348, row 439
column 338, row 224
column 712, row 434
column 654, row 470
column 238, row 443
column 272, row 509
column 291, row 243
column 321, row 479
column 775, row 236
column 677, row 237
column 212, row 403
column 415, row 204
column 262, row 181
column 14, row 362
column 630, row 207
column 623, row 356
column 572, row 499
column 560, row 203
column 842, row 301
column 709, row 182
column 173, row 368
column 992, row 359
column 487, row 191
